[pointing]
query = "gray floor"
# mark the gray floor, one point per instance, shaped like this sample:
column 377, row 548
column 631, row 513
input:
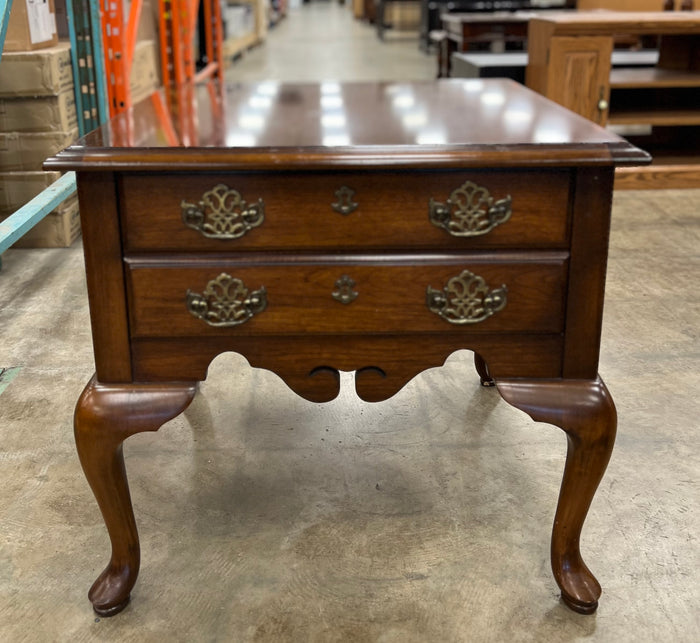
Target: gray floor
column 424, row 518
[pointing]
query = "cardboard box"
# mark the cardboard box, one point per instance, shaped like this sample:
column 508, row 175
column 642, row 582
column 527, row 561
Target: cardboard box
column 58, row 229
column 403, row 16
column 45, row 72
column 22, row 151
column 239, row 21
column 18, row 188
column 145, row 70
column 148, row 24
column 39, row 114
column 32, row 25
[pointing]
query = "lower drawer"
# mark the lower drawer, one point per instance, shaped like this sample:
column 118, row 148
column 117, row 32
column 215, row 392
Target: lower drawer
column 391, row 296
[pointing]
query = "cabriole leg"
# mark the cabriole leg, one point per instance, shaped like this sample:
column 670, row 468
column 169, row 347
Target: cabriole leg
column 584, row 409
column 107, row 414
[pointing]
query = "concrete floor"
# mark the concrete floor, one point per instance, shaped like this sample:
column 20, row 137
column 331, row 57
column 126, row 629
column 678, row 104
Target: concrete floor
column 425, row 518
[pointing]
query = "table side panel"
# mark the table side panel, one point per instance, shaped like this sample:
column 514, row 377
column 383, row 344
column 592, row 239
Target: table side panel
column 392, row 210
column 102, row 246
column 589, row 254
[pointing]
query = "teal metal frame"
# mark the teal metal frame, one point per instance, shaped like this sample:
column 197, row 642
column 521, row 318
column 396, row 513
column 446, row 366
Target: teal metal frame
column 24, row 219
column 85, row 30
column 5, row 6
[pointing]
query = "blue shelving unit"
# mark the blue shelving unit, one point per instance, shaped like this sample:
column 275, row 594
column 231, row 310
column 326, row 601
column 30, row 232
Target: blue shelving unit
column 87, row 58
column 5, row 6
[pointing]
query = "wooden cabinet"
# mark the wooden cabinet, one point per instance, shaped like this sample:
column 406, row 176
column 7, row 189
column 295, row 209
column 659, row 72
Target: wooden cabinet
column 578, row 74
column 656, row 107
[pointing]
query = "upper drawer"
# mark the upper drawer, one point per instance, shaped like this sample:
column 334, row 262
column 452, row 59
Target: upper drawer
column 247, row 211
column 397, row 295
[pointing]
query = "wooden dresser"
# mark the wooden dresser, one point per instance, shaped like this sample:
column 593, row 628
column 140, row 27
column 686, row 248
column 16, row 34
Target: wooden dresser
column 374, row 228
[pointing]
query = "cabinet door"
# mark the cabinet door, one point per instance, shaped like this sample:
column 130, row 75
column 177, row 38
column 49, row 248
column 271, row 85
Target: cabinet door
column 578, row 75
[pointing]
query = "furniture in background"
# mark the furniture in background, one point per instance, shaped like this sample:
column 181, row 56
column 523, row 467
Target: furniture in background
column 432, row 10
column 481, row 31
column 512, row 64
column 378, row 245
column 380, row 12
column 634, row 5
column 569, row 61
column 369, row 10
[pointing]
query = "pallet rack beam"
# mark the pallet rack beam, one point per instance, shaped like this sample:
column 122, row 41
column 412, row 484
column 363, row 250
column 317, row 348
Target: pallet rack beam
column 24, row 219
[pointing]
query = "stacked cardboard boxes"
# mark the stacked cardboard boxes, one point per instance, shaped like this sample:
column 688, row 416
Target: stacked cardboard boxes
column 38, row 112
column 145, row 70
column 37, row 119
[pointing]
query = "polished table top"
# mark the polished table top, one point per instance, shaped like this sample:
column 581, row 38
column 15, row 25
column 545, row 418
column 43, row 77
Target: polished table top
column 524, row 15
column 275, row 125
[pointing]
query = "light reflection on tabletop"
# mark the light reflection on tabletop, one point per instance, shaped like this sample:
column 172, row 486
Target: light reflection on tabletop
column 329, row 114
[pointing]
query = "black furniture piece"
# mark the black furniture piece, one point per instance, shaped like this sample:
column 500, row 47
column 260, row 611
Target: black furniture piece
column 431, row 10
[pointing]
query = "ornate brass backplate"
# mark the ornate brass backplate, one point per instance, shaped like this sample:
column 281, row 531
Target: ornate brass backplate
column 226, row 301
column 344, row 292
column 345, row 204
column 466, row 299
column 470, row 211
column 223, row 214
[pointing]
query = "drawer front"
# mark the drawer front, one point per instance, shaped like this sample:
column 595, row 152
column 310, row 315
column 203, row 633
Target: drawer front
column 208, row 298
column 220, row 213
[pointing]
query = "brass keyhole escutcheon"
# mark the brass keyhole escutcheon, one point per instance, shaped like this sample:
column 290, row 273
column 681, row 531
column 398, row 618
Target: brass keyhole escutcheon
column 345, row 204
column 344, row 290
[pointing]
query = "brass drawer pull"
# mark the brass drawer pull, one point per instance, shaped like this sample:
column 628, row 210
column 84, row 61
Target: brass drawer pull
column 466, row 299
column 223, row 214
column 344, row 292
column 226, row 301
column 470, row 211
column 345, row 205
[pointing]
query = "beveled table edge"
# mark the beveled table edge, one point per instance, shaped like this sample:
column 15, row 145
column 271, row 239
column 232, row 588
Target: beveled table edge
column 78, row 157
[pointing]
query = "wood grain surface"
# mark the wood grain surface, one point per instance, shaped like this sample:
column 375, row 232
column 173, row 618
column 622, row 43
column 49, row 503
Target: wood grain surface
column 392, row 210
column 383, row 364
column 391, row 296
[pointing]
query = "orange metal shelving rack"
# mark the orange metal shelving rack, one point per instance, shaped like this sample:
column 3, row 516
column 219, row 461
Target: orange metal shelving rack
column 177, row 29
column 178, row 24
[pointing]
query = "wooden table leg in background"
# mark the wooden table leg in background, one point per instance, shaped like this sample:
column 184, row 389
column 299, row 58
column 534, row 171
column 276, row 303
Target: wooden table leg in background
column 483, row 370
column 585, row 410
column 107, row 414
